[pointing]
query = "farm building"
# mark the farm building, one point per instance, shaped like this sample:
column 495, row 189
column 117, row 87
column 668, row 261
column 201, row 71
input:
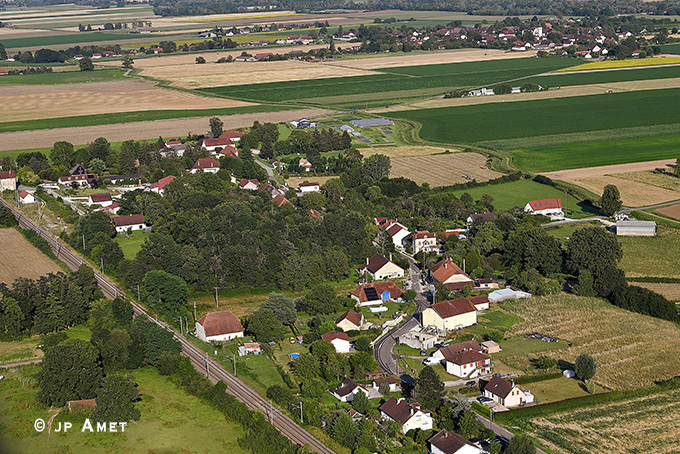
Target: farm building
column 380, row 268
column 507, row 294
column 635, row 228
column 371, row 122
column 546, row 207
column 129, row 223
column 26, row 197
column 218, row 326
column 446, row 442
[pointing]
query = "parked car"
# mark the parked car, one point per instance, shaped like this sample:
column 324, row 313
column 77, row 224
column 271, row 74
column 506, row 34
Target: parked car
column 432, row 361
column 471, row 383
column 423, row 352
column 484, row 400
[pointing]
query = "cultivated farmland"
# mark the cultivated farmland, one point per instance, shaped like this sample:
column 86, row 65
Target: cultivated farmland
column 651, row 256
column 634, row 63
column 21, row 258
column 443, row 169
column 672, row 211
column 627, row 355
column 64, row 77
column 669, row 291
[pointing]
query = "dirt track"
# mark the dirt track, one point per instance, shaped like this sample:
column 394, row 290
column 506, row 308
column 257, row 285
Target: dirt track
column 141, row 130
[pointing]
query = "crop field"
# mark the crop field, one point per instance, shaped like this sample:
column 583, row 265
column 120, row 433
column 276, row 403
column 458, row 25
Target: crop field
column 171, row 421
column 620, row 341
column 518, row 193
column 625, row 425
column 21, row 258
column 669, row 291
column 416, row 80
column 472, row 124
column 61, row 78
column 634, row 63
column 671, row 48
column 672, row 211
column 651, row 256
column 604, row 77
column 443, row 169
column 69, row 38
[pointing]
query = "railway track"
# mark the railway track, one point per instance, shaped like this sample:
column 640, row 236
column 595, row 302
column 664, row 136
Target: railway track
column 200, row 360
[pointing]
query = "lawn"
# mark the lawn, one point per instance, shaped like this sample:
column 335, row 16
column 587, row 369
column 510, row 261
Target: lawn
column 631, row 350
column 394, row 84
column 484, row 122
column 527, row 347
column 649, row 256
column 558, row 389
column 171, row 421
column 129, row 117
column 132, row 243
column 76, row 38
column 66, row 77
column 518, row 193
column 567, row 230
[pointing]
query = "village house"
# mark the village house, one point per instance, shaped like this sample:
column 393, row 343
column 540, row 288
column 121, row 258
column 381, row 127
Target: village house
column 425, row 241
column 339, row 340
column 480, row 218
column 346, row 390
column 454, row 349
column 212, row 145
column 305, row 165
column 409, row 414
column 232, row 135
column 486, row 283
column 129, row 223
column 279, row 201
column 249, row 184
column 350, row 321
column 159, row 186
column 397, row 231
column 448, row 273
column 380, row 268
column 505, row 393
column 250, row 347
column 103, row 199
column 446, row 442
column 210, row 165
column 467, row 364
column 450, row 315
column 26, row 197
column 8, row 180
column 305, row 188
column 218, row 326
column 376, row 293
column 546, row 207
column 393, row 383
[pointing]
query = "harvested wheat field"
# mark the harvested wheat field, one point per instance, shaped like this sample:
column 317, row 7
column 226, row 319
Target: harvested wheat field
column 143, row 129
column 30, row 102
column 628, row 355
column 443, row 170
column 429, row 58
column 405, row 151
column 672, row 211
column 21, row 259
column 212, row 74
column 627, row 425
column 669, row 291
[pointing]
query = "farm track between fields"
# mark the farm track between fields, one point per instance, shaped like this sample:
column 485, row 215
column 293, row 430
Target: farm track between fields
column 200, row 360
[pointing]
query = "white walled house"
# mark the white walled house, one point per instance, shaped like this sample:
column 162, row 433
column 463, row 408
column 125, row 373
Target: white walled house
column 446, row 442
column 8, row 180
column 249, row 184
column 159, row 186
column 380, row 268
column 398, row 233
column 346, row 390
column 206, row 165
column 129, row 223
column 26, row 197
column 451, row 314
column 448, row 273
column 376, row 293
column 505, row 393
column 218, row 326
column 546, row 207
column 339, row 340
column 104, row 199
column 425, row 241
column 350, row 321
column 306, row 188
column 410, row 415
column 468, row 364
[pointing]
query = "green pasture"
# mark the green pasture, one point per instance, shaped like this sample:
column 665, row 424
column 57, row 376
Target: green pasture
column 603, row 77
column 393, row 85
column 596, row 153
column 62, row 78
column 671, row 49
column 68, row 38
column 494, row 121
column 130, row 117
column 518, row 193
column 132, row 243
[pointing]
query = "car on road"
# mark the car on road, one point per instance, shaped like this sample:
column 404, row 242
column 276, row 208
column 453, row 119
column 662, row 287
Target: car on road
column 483, row 400
column 498, row 374
column 431, row 361
column 471, row 383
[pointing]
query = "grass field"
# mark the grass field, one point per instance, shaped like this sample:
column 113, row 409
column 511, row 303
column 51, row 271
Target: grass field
column 132, row 244
column 671, row 48
column 604, row 77
column 21, row 258
column 630, row 63
column 130, row 117
column 649, row 256
column 66, row 77
column 67, row 38
column 649, row 423
column 518, row 193
column 558, row 389
column 171, row 421
column 394, row 85
column 472, row 124
column 620, row 341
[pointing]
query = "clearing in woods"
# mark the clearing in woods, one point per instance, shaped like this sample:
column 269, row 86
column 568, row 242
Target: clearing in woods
column 22, row 259
column 443, row 169
column 627, row 356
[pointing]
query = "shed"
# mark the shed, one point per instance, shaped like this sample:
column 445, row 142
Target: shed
column 635, row 228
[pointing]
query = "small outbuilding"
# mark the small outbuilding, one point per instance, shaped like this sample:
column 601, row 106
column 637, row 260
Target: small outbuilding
column 26, row 197
column 635, row 228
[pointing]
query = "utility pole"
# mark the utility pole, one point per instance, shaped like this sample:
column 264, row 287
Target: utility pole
column 195, row 311
column 217, row 301
column 299, row 405
column 234, row 355
column 566, row 202
column 138, row 297
column 102, row 266
column 83, row 241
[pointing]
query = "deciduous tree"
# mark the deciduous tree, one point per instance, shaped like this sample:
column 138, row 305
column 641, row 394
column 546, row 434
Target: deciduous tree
column 585, row 366
column 610, row 202
column 116, row 400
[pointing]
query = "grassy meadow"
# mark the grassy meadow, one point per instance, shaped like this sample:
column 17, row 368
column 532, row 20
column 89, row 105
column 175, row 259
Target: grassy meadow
column 132, row 243
column 651, row 256
column 65, row 77
column 171, row 421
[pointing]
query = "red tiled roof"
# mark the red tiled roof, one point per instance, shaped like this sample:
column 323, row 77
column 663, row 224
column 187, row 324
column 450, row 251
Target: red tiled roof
column 132, row 219
column 219, row 142
column 444, row 269
column 101, row 197
column 452, row 308
column 218, row 323
column 395, row 228
column 231, row 135
column 330, row 336
column 452, row 350
column 545, row 204
column 467, row 357
column 351, row 315
column 245, row 181
column 23, row 194
column 375, row 263
column 305, row 185
column 380, row 288
column 280, row 200
column 160, row 184
column 206, row 163
column 7, row 174
column 424, row 235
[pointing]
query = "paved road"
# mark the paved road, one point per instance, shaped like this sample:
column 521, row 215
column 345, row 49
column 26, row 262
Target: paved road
column 658, row 205
column 623, row 211
column 24, row 363
column 269, row 170
column 200, row 360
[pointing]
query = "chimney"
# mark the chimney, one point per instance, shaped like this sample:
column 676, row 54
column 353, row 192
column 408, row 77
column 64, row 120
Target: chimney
column 366, row 261
column 390, row 256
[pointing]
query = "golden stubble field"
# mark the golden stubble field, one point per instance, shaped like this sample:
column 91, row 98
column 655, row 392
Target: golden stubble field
column 443, row 169
column 636, row 183
column 21, row 259
column 30, row 102
column 631, row 350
